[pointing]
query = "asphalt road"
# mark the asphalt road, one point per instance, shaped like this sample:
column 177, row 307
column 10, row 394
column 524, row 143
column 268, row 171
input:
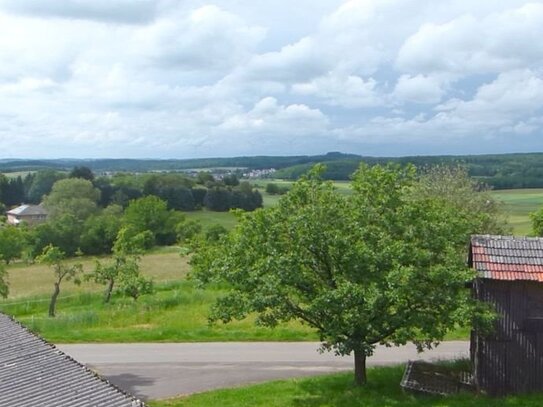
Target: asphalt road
column 163, row 370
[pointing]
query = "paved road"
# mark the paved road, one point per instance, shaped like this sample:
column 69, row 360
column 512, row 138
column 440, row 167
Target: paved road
column 162, row 370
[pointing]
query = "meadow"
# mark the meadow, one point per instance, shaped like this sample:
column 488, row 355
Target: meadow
column 178, row 309
column 518, row 204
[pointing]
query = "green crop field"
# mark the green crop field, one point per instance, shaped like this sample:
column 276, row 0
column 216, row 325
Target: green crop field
column 518, row 204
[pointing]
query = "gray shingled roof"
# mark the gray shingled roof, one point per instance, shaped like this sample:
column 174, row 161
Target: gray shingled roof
column 35, row 373
column 28, row 210
column 507, row 257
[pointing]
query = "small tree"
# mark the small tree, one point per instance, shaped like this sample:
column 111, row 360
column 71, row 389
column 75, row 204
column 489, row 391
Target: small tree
column 12, row 242
column 272, row 189
column 125, row 263
column 54, row 257
column 4, row 287
column 187, row 229
column 133, row 284
column 383, row 265
column 214, row 232
column 537, row 222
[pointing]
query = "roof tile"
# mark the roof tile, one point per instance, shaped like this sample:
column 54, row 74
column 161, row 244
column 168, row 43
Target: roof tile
column 35, row 373
column 507, row 257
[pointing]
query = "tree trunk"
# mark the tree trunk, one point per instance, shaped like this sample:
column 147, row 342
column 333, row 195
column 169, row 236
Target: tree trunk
column 53, row 302
column 109, row 289
column 359, row 368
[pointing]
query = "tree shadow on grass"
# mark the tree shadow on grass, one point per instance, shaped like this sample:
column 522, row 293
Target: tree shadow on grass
column 383, row 390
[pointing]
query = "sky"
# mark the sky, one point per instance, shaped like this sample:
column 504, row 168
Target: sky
column 192, row 78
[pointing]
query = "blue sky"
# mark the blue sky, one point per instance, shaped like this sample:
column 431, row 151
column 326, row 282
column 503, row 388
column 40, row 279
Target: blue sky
column 181, row 79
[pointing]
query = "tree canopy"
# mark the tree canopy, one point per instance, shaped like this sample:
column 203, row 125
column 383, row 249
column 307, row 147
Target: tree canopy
column 12, row 242
column 383, row 265
column 4, row 287
column 73, row 196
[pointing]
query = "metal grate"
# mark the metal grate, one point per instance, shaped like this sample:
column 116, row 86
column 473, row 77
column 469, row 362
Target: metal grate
column 430, row 378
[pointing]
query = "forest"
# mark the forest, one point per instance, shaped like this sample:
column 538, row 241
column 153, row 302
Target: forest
column 500, row 171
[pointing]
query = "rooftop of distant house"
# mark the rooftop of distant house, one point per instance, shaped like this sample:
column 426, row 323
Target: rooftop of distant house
column 27, row 210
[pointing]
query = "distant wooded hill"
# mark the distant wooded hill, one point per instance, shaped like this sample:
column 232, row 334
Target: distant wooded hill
column 502, row 171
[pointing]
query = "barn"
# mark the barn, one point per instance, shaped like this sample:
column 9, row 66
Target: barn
column 510, row 276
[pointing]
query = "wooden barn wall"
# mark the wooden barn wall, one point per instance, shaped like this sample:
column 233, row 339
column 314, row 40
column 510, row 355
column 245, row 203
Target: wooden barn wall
column 511, row 359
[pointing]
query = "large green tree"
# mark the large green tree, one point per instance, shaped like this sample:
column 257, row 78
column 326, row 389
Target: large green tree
column 64, row 232
column 73, row 196
column 100, row 231
column 40, row 184
column 383, row 265
column 151, row 213
column 466, row 195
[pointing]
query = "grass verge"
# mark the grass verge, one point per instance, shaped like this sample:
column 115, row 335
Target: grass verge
column 337, row 390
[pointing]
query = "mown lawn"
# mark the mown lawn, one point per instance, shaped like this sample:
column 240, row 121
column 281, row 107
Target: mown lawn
column 337, row 390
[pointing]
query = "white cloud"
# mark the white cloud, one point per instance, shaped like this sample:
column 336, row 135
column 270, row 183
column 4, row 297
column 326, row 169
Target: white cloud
column 513, row 95
column 511, row 104
column 419, row 89
column 193, row 78
column 349, row 91
column 465, row 45
column 267, row 115
column 207, row 38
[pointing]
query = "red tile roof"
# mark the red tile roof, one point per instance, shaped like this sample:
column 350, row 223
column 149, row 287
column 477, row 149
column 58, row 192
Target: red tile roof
column 507, row 257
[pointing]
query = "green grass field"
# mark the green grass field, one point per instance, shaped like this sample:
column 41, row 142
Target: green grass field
column 228, row 220
column 177, row 311
column 210, row 218
column 337, row 390
column 518, row 204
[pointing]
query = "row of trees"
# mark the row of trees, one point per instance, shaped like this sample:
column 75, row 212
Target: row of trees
column 179, row 191
column 77, row 225
column 504, row 171
column 122, row 269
